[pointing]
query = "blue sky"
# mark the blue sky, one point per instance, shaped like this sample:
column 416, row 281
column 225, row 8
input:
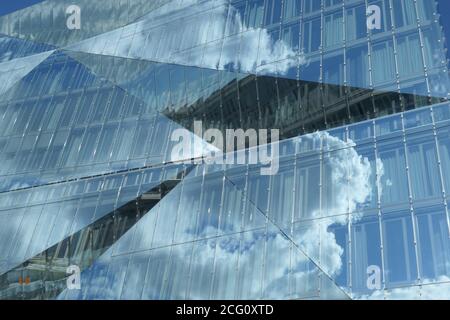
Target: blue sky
column 8, row 6
column 444, row 10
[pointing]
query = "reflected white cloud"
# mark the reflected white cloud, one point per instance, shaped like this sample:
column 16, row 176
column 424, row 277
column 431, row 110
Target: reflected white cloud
column 350, row 180
column 237, row 260
column 350, row 175
column 182, row 40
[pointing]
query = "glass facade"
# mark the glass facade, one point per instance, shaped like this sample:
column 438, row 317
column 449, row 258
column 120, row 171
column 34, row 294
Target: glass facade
column 359, row 205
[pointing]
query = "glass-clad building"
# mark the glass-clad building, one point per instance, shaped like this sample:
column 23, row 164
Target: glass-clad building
column 92, row 92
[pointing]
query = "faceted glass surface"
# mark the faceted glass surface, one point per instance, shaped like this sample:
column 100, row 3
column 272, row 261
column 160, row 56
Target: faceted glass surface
column 357, row 208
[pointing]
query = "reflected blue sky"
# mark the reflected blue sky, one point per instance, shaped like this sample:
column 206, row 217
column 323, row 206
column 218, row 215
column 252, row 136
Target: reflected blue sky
column 8, row 6
column 444, row 10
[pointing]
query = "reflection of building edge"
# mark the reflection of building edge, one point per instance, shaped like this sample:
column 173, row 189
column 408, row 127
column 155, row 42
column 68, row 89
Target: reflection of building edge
column 295, row 107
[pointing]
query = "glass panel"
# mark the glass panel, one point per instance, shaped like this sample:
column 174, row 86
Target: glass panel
column 423, row 164
column 333, row 31
column 25, row 233
column 383, row 63
column 39, row 241
column 394, row 182
column 356, row 26
column 366, row 252
column 202, row 264
column 9, row 225
column 398, row 249
column 133, row 283
column 63, row 223
column 250, row 268
column 157, row 265
column 434, row 242
column 225, row 264
column 276, row 269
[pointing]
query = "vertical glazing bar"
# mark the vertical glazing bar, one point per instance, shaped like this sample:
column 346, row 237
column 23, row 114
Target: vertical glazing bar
column 441, row 171
column 396, row 59
column 321, row 208
column 244, row 201
column 202, row 191
column 293, row 211
column 422, row 47
column 411, row 200
column 321, row 72
column 266, row 236
column 349, row 213
column 213, row 269
column 169, row 260
column 378, row 175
